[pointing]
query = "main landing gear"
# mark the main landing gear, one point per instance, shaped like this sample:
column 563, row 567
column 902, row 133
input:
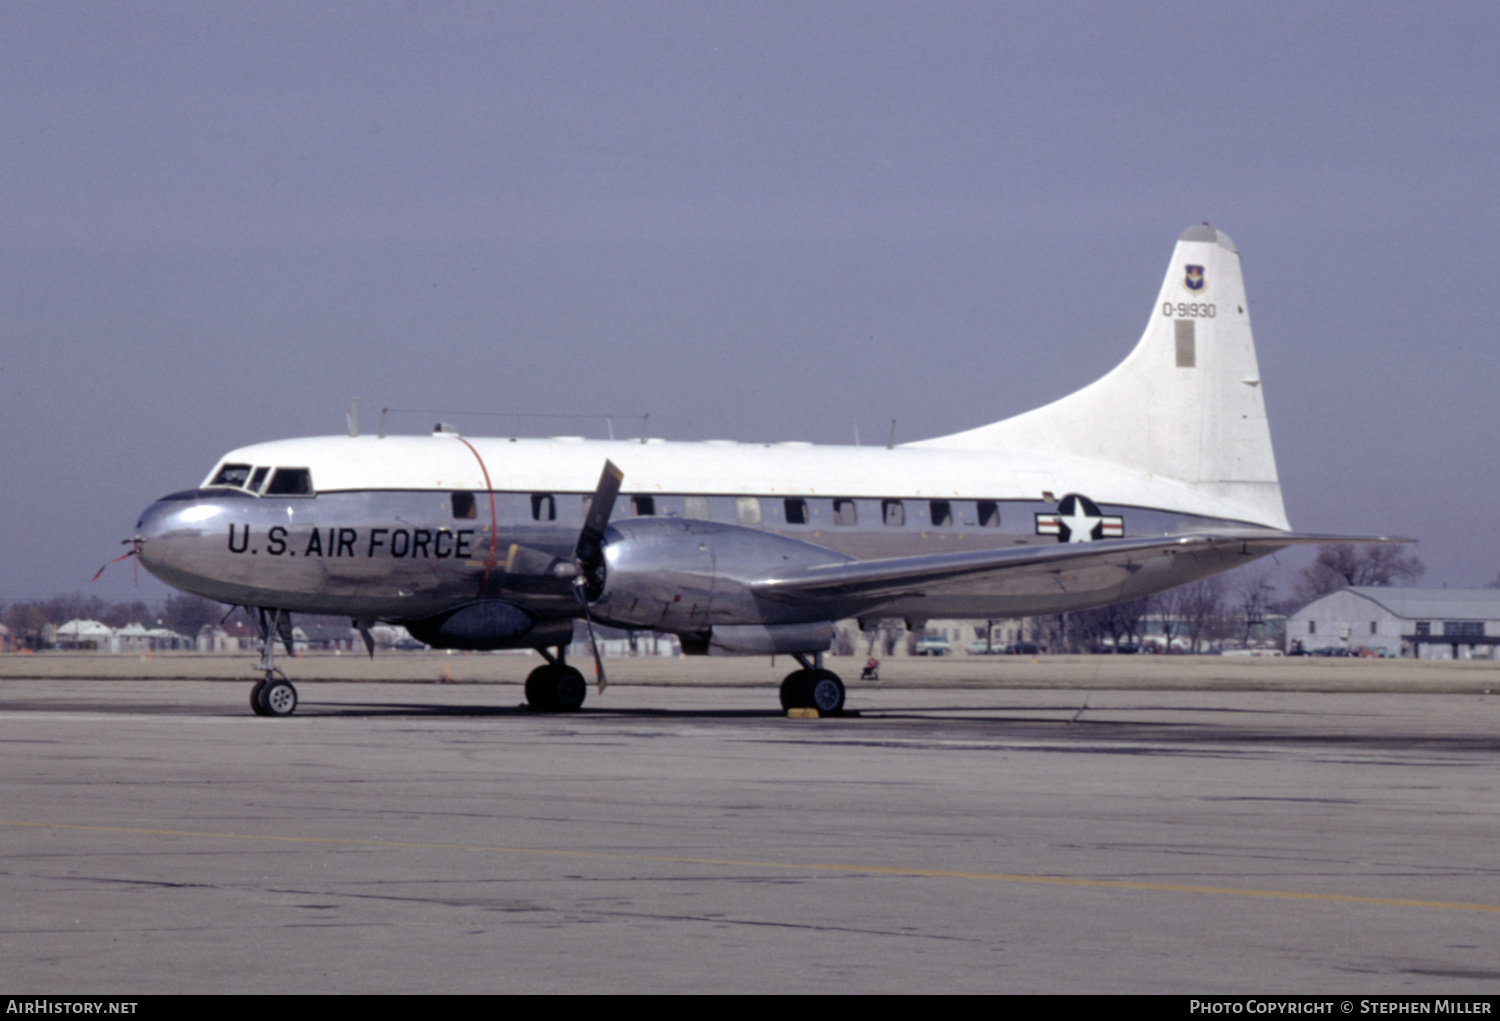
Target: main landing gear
column 812, row 687
column 555, row 687
column 273, row 694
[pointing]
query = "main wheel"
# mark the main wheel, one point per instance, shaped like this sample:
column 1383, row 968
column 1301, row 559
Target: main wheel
column 795, row 691
column 555, row 689
column 825, row 692
column 569, row 690
column 539, row 689
column 279, row 698
column 257, row 698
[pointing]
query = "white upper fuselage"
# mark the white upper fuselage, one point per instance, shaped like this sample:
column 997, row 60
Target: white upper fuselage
column 443, row 461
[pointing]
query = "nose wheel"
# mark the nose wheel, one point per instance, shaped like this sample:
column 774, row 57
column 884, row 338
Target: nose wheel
column 273, row 695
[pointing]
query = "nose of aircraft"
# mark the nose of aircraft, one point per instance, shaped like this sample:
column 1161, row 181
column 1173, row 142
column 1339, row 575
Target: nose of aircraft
column 170, row 528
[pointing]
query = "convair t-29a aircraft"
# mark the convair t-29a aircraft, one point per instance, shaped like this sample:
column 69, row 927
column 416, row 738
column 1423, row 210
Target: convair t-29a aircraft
column 1157, row 474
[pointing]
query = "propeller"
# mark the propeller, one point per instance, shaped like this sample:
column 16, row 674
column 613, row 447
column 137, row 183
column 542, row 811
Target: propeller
column 589, row 554
column 588, row 583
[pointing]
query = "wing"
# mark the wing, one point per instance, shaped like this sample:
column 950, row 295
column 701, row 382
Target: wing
column 1066, row 567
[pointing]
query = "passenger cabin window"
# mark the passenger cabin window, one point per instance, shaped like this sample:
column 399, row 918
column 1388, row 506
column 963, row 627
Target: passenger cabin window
column 643, row 506
column 695, row 507
column 257, row 479
column 232, row 475
column 989, row 514
column 845, row 512
column 543, row 507
column 941, row 512
column 796, row 511
column 893, row 512
column 747, row 510
column 464, row 506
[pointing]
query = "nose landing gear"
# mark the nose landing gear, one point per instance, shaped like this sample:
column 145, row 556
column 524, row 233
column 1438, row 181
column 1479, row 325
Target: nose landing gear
column 273, row 694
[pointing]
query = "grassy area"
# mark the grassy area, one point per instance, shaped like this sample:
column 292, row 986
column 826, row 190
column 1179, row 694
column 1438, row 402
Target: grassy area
column 1203, row 673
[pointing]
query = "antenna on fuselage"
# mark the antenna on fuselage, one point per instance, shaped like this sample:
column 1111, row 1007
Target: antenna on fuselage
column 352, row 414
column 891, row 442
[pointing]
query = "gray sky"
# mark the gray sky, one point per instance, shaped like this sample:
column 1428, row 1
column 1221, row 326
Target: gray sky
column 758, row 221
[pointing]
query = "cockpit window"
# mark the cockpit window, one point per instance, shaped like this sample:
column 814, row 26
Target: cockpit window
column 290, row 482
column 232, row 475
column 256, row 480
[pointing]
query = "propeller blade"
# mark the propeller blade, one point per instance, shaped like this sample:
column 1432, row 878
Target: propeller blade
column 590, row 550
column 578, row 588
column 588, row 583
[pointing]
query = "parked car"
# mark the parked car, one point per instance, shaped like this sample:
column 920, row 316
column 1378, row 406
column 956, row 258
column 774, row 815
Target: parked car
column 933, row 645
column 1023, row 649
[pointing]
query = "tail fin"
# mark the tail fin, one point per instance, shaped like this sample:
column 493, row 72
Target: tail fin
column 1185, row 404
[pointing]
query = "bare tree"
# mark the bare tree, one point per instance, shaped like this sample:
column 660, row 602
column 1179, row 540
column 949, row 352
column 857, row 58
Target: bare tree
column 1130, row 614
column 1201, row 609
column 188, row 614
column 1168, row 608
column 1345, row 565
column 888, row 631
column 1252, row 591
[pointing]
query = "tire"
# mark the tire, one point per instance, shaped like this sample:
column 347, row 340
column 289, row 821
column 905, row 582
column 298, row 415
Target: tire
column 825, row 692
column 257, row 696
column 794, row 691
column 555, row 689
column 539, row 689
column 279, row 698
column 569, row 689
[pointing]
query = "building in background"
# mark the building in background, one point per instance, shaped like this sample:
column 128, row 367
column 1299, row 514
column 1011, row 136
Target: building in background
column 1416, row 622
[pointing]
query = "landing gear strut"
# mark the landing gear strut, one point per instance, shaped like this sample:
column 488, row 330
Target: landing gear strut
column 555, row 687
column 273, row 694
column 812, row 687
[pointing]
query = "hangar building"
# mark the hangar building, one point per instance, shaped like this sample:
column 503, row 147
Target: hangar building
column 1427, row 623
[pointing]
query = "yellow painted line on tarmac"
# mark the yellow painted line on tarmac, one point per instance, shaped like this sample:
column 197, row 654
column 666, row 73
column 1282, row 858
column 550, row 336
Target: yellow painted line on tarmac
column 878, row 870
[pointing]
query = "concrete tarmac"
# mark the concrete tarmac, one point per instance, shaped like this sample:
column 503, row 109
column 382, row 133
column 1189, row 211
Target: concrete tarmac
column 155, row 837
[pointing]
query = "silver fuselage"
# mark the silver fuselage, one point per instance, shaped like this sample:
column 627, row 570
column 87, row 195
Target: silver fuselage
column 401, row 555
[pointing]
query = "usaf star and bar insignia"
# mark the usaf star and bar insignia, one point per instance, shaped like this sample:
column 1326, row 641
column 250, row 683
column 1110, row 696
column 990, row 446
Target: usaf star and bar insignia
column 1078, row 520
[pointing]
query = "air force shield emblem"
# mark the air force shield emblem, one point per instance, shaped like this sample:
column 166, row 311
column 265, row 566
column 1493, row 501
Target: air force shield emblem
column 1078, row 520
column 1193, row 280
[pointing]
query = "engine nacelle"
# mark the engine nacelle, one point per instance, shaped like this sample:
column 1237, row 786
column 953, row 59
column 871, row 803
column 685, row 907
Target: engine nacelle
column 490, row 624
column 682, row 575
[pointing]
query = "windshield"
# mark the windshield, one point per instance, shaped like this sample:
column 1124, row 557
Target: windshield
column 232, row 475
